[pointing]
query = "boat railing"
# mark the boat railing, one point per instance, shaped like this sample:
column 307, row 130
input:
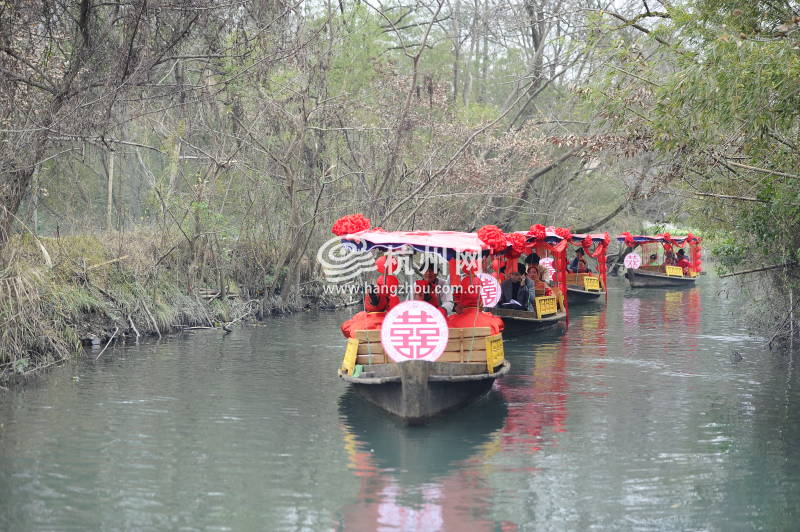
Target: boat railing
column 585, row 281
column 464, row 345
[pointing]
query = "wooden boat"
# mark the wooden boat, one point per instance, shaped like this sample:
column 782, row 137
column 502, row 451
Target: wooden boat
column 465, row 362
column 584, row 288
column 416, row 391
column 589, row 287
column 654, row 277
column 663, row 275
column 547, row 316
column 545, row 241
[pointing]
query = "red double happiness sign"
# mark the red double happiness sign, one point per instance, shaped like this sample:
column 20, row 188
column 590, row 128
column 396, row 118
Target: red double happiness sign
column 414, row 330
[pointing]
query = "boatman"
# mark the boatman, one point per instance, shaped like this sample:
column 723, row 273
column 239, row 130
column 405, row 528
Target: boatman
column 468, row 314
column 376, row 304
column 578, row 264
column 683, row 262
column 433, row 290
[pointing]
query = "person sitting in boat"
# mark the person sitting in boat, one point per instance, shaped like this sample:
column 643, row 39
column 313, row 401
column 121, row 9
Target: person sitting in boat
column 536, row 281
column 578, row 264
column 543, row 289
column 533, row 260
column 469, row 314
column 433, row 290
column 669, row 258
column 683, row 262
column 653, row 261
column 515, row 290
column 376, row 304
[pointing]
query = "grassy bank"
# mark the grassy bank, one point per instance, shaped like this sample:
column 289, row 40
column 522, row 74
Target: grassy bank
column 58, row 294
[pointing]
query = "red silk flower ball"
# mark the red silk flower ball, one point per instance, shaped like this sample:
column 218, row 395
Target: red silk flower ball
column 537, row 233
column 517, row 242
column 629, row 241
column 493, row 237
column 352, row 223
column 564, row 233
column 586, row 243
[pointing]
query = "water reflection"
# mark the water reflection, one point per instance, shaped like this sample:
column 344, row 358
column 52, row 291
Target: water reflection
column 416, row 478
column 538, row 400
column 672, row 318
column 635, row 417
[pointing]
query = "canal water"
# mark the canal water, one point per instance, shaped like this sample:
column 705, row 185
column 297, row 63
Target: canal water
column 655, row 412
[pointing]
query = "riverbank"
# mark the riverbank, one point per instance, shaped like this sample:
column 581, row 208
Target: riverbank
column 60, row 294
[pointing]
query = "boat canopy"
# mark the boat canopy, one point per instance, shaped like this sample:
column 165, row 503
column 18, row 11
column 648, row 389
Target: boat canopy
column 596, row 237
column 442, row 242
column 665, row 238
column 667, row 241
column 446, row 243
column 438, row 241
column 550, row 236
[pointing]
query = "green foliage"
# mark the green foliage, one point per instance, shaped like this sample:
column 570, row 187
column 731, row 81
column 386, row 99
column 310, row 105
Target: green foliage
column 721, row 102
column 356, row 50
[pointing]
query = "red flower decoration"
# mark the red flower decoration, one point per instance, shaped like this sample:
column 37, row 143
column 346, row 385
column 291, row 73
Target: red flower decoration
column 629, row 241
column 564, row 233
column 536, row 233
column 691, row 239
column 517, row 242
column 493, row 237
column 352, row 223
column 606, row 239
column 586, row 243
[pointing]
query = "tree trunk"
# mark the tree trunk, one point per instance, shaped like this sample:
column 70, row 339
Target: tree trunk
column 17, row 180
column 484, row 52
column 35, row 201
column 456, row 47
column 110, row 191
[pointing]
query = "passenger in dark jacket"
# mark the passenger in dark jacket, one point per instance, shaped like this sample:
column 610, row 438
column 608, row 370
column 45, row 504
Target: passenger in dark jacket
column 515, row 291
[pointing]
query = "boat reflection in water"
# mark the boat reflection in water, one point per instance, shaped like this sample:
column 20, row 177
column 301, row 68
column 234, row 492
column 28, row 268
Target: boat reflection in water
column 410, row 478
column 537, row 403
column 674, row 318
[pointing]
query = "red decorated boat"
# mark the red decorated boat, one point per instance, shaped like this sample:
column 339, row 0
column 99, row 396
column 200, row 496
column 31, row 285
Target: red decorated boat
column 549, row 305
column 653, row 263
column 415, row 364
column 588, row 286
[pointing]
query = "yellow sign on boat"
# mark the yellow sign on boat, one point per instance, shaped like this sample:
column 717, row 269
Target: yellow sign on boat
column 591, row 284
column 494, row 351
column 350, row 356
column 545, row 305
column 674, row 271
